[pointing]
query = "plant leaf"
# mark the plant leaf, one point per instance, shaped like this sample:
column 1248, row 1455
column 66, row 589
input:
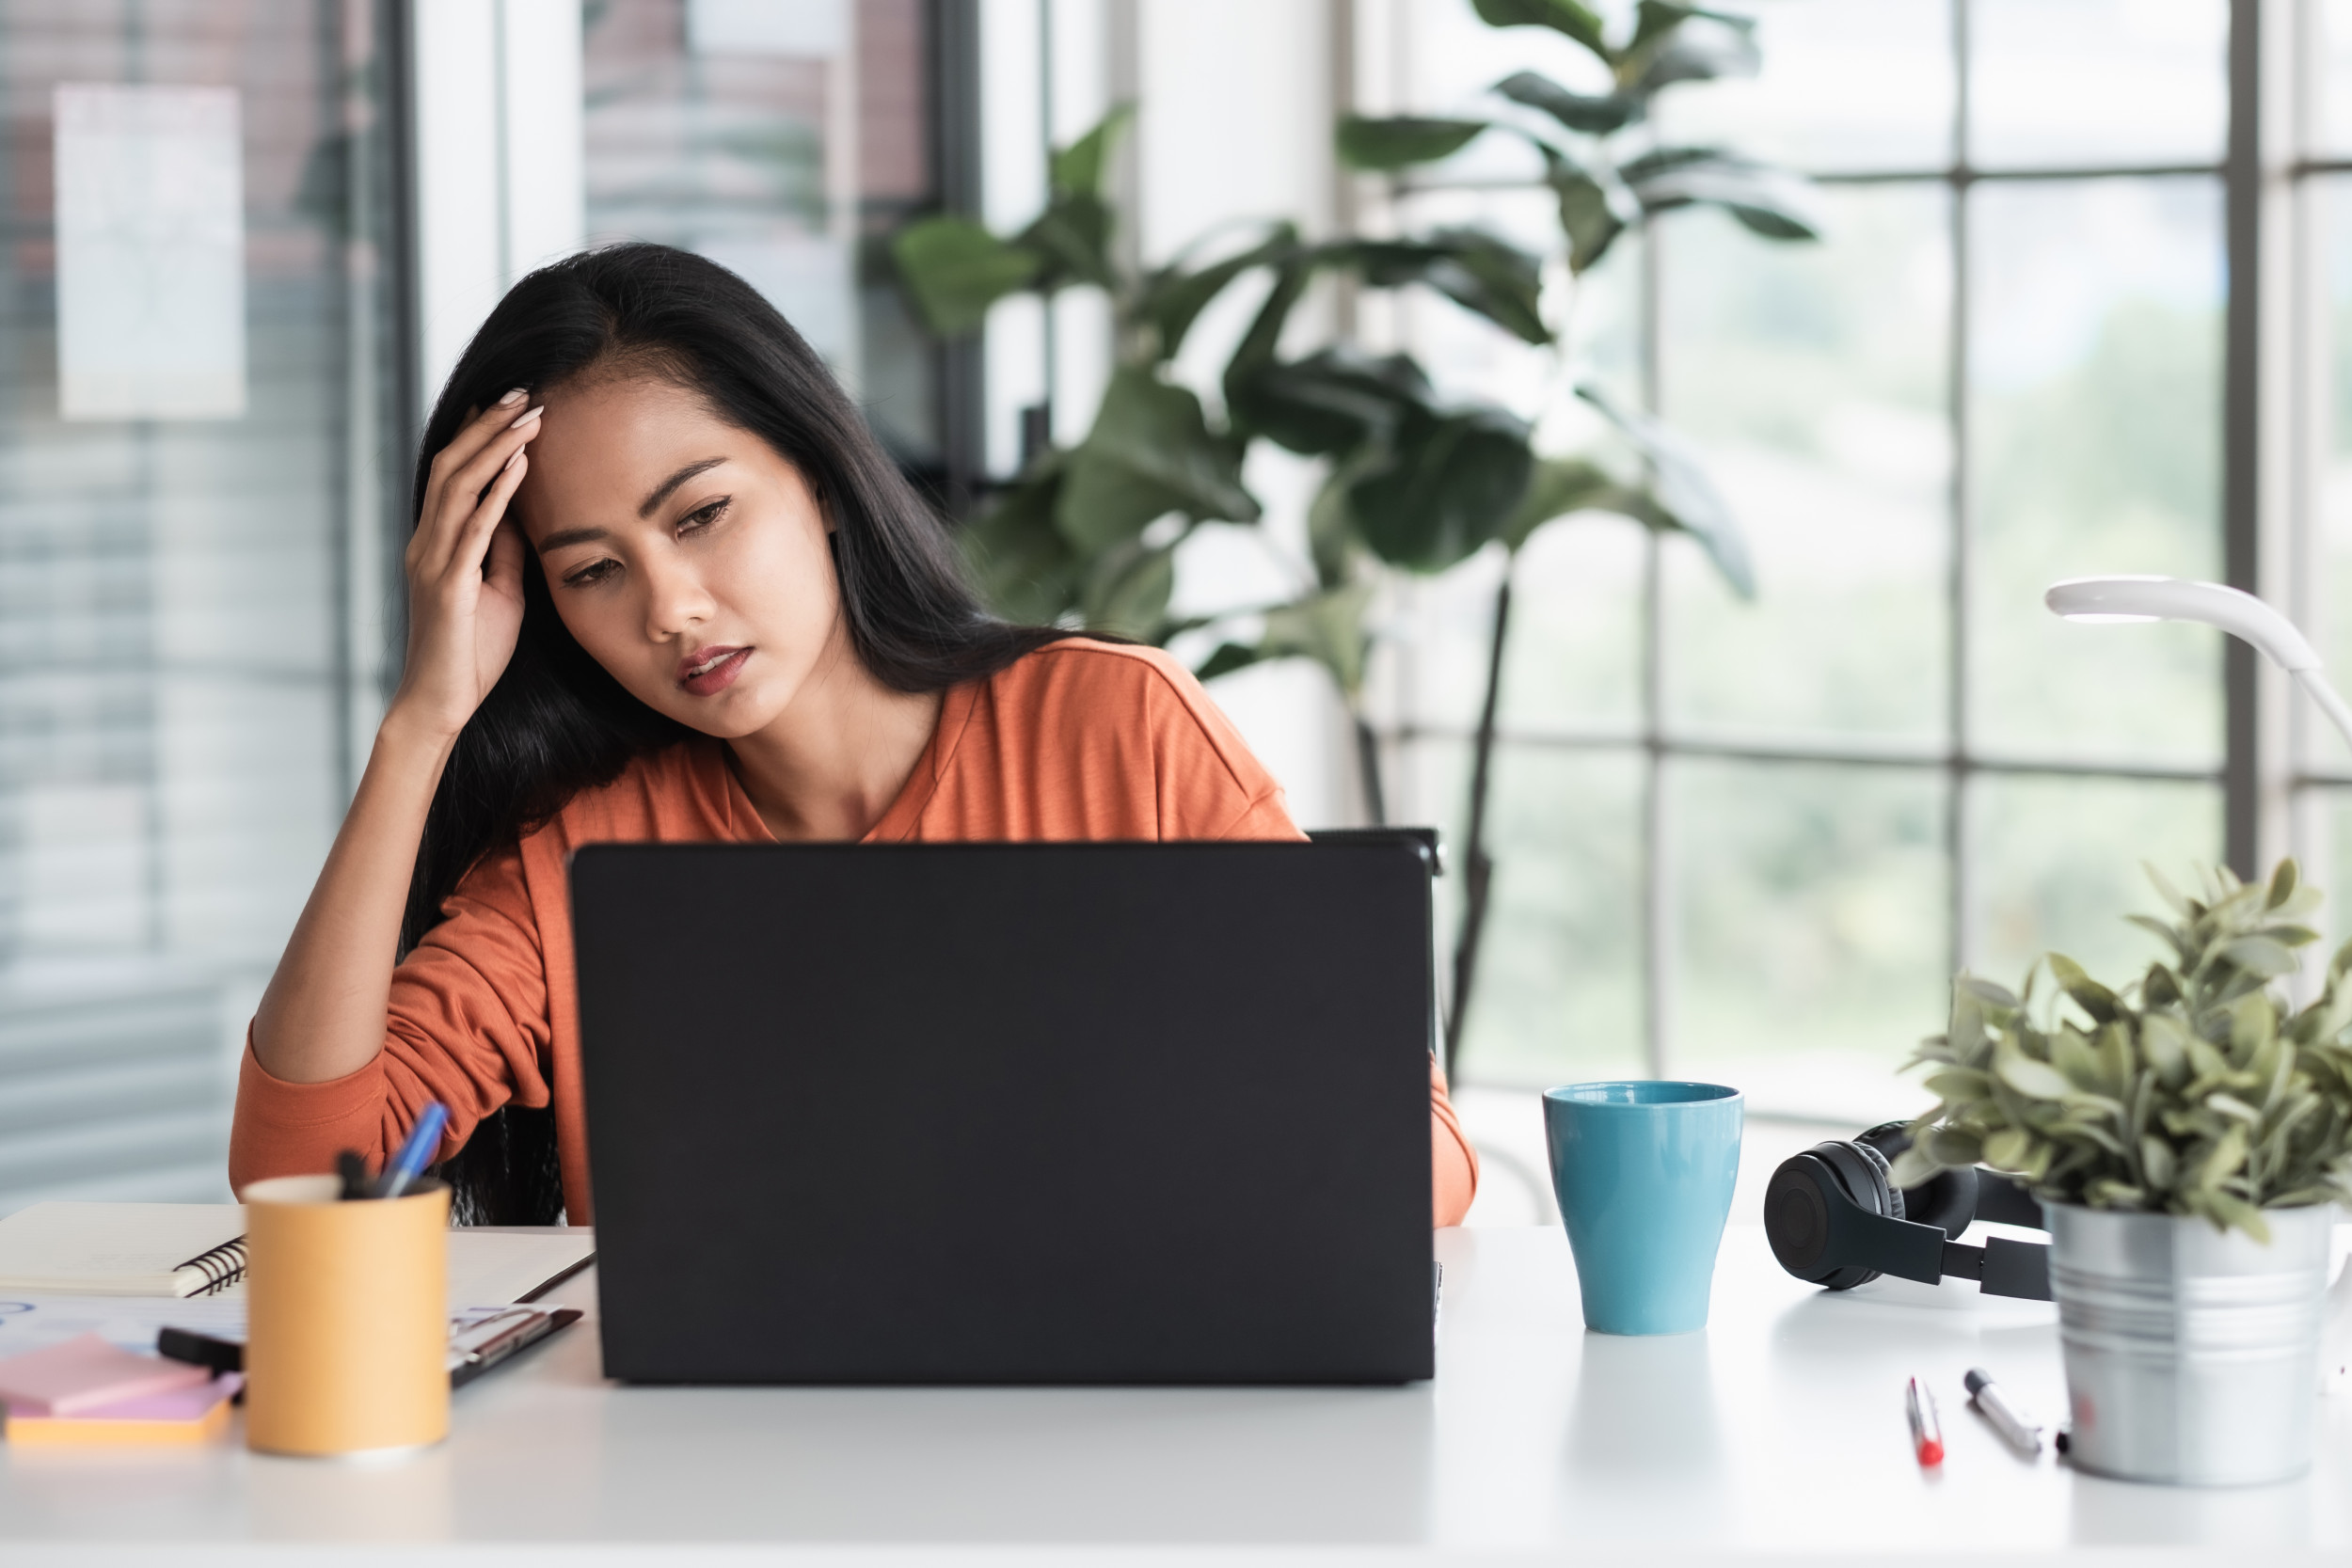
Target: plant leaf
column 1025, row 569
column 1073, row 237
column 2260, row 955
column 1127, row 592
column 2005, row 1149
column 1668, row 51
column 2032, row 1079
column 1561, row 486
column 1330, row 402
column 956, row 270
column 1912, row 1166
column 1077, row 169
column 2282, row 879
column 1149, row 453
column 1449, row 482
column 1952, row 1147
column 1400, row 141
column 1595, row 207
column 1474, row 269
column 1593, row 115
column 1562, row 16
column 1988, row 991
column 1328, row 627
column 1684, row 490
column 1767, row 201
column 1172, row 299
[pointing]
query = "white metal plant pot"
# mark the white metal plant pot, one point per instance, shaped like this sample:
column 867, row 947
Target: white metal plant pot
column 2191, row 1353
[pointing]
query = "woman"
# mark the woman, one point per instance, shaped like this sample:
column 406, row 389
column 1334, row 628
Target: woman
column 677, row 594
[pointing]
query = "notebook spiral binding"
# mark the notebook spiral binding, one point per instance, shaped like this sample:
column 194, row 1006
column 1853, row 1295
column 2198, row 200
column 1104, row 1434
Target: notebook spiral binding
column 221, row 1267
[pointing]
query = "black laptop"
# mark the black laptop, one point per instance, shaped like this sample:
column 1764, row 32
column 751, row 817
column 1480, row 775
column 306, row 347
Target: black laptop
column 1009, row 1113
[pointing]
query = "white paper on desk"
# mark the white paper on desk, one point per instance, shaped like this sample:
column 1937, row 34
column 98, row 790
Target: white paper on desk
column 486, row 1269
column 29, row 1322
column 150, row 252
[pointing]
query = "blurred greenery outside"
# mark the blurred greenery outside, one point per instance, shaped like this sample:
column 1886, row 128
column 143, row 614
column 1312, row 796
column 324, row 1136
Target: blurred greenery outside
column 1810, row 902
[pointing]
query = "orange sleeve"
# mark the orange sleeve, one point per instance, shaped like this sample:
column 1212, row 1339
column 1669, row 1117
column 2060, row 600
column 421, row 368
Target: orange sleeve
column 1453, row 1164
column 467, row 1025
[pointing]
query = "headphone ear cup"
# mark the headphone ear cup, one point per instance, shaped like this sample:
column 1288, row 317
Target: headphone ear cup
column 1863, row 1169
column 1884, row 1169
column 1796, row 1211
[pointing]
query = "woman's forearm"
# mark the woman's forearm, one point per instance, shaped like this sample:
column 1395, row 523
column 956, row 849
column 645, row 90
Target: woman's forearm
column 323, row 1015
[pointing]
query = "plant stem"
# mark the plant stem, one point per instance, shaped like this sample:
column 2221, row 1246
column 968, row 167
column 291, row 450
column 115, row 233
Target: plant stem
column 1368, row 770
column 1477, row 865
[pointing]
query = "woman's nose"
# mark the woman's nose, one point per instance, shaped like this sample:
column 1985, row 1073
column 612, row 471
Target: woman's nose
column 674, row 601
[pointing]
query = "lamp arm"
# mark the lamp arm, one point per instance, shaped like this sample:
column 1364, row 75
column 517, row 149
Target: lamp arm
column 2314, row 682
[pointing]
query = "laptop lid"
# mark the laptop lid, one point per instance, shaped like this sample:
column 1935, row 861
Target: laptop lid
column 1008, row 1113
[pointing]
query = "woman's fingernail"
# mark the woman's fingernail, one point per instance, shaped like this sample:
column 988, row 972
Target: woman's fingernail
column 522, row 420
column 512, row 398
column 512, row 461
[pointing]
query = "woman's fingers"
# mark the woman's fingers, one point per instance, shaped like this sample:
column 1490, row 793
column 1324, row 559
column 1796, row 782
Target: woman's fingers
column 474, row 540
column 502, row 569
column 474, row 440
column 467, row 487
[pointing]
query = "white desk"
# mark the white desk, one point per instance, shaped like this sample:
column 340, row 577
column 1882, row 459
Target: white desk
column 1778, row 1433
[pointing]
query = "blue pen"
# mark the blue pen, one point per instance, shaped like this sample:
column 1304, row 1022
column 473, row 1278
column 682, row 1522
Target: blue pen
column 423, row 1140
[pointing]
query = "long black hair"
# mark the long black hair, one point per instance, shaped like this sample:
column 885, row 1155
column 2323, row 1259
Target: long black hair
column 556, row 723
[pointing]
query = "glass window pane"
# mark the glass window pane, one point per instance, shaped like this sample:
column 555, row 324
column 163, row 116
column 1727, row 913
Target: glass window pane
column 1812, row 933
column 2095, row 409
column 1574, row 659
column 1558, row 972
column 1815, row 379
column 186, row 634
column 714, row 137
column 2324, row 845
column 2058, row 866
column 2074, row 84
column 2330, row 123
column 1846, row 85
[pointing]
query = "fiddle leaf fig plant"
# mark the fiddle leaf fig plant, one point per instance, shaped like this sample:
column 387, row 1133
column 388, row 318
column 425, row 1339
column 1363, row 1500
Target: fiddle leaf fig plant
column 2195, row 1089
column 1416, row 479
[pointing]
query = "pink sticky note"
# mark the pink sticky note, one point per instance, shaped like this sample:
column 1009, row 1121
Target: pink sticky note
column 181, row 1405
column 84, row 1373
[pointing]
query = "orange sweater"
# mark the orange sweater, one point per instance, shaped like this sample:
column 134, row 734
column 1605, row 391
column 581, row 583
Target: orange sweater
column 1078, row 740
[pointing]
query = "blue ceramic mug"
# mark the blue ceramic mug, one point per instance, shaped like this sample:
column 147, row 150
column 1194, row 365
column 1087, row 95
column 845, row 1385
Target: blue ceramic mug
column 1643, row 1172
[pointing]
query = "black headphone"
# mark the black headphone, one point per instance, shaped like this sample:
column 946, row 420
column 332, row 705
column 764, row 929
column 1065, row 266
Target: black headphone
column 1833, row 1218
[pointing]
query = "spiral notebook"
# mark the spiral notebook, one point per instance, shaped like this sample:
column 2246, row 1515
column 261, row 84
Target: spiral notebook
column 123, row 1250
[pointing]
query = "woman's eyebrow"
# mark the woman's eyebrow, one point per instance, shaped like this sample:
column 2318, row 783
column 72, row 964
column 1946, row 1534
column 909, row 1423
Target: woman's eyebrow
column 661, row 491
column 563, row 536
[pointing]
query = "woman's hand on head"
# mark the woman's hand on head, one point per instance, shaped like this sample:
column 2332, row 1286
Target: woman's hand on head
column 465, row 565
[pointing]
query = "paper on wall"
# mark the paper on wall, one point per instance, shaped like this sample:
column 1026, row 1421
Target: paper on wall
column 151, row 253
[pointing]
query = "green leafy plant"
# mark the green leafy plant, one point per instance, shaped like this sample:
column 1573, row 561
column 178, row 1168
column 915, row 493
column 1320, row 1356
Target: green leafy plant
column 1416, row 481
column 2195, row 1089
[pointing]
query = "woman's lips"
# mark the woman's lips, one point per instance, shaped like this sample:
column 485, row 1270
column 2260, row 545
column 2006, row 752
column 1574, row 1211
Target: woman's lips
column 713, row 669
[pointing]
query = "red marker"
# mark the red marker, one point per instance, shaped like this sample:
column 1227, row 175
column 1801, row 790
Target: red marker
column 1927, row 1436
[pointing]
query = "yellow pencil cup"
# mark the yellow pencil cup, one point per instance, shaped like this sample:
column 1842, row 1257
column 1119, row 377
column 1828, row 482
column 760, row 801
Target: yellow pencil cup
column 347, row 1318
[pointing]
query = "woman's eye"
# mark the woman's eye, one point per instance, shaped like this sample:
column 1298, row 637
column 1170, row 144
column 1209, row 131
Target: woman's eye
column 703, row 516
column 593, row 573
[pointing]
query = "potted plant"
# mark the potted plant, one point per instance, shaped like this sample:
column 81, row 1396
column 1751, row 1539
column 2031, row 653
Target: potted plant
column 2189, row 1136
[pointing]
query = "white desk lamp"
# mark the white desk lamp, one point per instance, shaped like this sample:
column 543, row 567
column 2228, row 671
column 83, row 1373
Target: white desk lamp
column 2241, row 615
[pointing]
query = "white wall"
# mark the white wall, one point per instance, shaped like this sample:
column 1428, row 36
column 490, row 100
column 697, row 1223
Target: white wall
column 497, row 110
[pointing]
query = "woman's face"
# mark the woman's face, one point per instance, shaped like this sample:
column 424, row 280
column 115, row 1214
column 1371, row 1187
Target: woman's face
column 687, row 557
